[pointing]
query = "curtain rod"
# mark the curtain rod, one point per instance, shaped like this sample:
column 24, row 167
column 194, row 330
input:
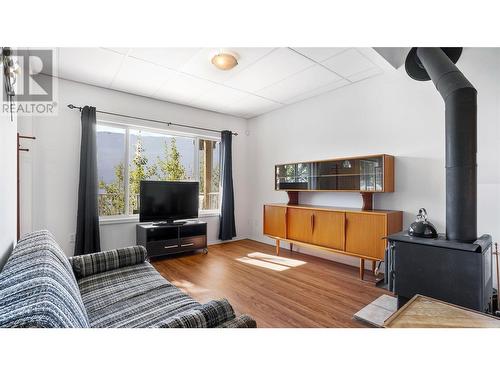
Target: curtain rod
column 71, row 106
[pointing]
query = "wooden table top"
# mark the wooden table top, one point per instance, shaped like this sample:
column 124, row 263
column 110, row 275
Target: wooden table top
column 426, row 312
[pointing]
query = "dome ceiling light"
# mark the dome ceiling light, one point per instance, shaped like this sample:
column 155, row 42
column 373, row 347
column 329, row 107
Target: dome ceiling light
column 225, row 60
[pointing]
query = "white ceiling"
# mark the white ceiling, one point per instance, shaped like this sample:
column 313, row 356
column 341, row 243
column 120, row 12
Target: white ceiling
column 264, row 79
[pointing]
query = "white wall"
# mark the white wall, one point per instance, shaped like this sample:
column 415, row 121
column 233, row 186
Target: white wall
column 8, row 192
column 390, row 114
column 55, row 161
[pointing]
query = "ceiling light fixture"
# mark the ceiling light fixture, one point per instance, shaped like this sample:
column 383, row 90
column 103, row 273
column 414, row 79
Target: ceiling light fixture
column 225, row 60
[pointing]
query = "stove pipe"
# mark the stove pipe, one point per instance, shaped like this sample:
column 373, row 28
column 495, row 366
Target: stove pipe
column 460, row 99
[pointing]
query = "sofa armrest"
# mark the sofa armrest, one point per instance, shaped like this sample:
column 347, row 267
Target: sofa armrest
column 209, row 315
column 217, row 312
column 242, row 321
column 90, row 264
column 187, row 319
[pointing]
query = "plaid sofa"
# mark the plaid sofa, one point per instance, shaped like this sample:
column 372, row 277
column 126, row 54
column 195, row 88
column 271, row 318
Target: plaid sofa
column 40, row 287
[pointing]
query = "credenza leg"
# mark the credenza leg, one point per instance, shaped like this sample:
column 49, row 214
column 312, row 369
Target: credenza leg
column 291, row 246
column 277, row 247
column 374, row 266
column 361, row 268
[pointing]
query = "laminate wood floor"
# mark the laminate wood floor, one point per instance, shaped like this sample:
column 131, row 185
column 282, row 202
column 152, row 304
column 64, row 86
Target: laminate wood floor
column 292, row 290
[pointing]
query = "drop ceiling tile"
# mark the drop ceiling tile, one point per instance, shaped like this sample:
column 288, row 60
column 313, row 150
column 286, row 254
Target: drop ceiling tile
column 252, row 105
column 377, row 59
column 180, row 86
column 140, row 77
column 318, row 91
column 319, row 53
column 122, row 51
column 94, row 66
column 375, row 70
column 304, row 81
column 348, row 63
column 222, row 94
column 173, row 58
column 201, row 66
column 279, row 64
column 242, row 114
column 209, row 106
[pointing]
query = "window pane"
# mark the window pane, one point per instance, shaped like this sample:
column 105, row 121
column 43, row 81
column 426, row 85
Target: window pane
column 157, row 156
column 111, row 170
column 209, row 157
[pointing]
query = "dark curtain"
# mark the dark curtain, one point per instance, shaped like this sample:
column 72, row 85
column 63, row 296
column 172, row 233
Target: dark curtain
column 87, row 222
column 227, row 228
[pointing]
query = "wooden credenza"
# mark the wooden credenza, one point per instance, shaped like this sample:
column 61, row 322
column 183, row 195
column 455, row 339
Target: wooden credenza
column 349, row 231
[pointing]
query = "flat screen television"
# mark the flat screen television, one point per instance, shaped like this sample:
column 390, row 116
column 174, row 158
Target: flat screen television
column 166, row 201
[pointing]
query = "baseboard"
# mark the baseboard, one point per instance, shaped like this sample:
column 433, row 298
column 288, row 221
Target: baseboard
column 237, row 238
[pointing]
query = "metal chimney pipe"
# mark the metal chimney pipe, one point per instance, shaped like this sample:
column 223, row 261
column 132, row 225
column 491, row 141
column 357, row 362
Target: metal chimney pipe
column 460, row 99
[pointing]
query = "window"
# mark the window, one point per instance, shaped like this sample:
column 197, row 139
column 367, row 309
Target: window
column 111, row 170
column 209, row 157
column 157, row 156
column 126, row 155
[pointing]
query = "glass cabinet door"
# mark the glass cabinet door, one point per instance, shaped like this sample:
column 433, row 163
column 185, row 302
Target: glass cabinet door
column 293, row 176
column 371, row 172
column 362, row 174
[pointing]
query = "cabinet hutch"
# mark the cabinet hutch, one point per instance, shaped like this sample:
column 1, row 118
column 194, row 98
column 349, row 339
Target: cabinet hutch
column 363, row 174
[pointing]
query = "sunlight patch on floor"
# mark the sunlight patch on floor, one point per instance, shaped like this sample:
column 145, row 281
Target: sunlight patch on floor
column 276, row 259
column 189, row 287
column 263, row 264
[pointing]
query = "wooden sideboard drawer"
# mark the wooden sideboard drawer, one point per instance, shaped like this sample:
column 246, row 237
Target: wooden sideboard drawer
column 365, row 234
column 300, row 224
column 328, row 229
column 275, row 221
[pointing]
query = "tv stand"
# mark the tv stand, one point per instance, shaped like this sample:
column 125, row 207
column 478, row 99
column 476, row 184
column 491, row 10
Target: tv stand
column 162, row 239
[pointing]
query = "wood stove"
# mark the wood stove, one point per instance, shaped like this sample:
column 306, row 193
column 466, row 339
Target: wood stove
column 456, row 267
column 455, row 272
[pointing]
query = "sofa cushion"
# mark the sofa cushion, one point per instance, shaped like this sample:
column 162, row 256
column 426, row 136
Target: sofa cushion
column 89, row 264
column 134, row 296
column 38, row 287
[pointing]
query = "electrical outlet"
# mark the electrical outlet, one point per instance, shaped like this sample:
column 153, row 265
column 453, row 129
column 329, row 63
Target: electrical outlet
column 72, row 238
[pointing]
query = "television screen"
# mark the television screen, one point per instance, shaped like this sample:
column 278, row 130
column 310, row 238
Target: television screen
column 168, row 200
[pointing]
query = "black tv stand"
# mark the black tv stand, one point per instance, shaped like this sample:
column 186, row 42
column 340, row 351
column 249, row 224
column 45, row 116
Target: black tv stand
column 161, row 239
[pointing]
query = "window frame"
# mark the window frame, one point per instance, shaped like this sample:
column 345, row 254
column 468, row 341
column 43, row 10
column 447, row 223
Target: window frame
column 126, row 217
